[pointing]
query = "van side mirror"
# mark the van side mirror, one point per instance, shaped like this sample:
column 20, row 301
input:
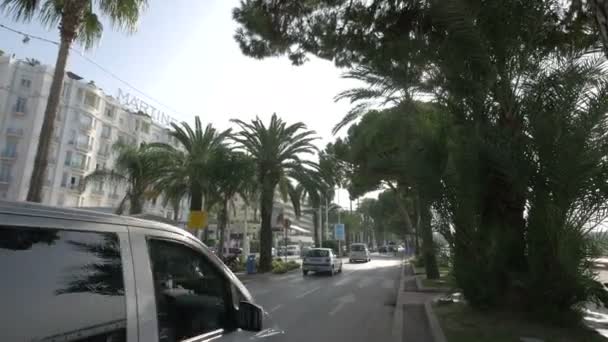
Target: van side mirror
column 250, row 316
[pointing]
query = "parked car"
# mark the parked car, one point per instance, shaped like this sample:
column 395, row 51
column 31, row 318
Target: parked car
column 104, row 277
column 321, row 260
column 293, row 250
column 359, row 252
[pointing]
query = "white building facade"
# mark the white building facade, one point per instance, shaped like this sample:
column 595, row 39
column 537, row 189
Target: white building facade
column 88, row 123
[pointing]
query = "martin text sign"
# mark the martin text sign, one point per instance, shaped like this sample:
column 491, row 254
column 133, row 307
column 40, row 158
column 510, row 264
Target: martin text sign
column 136, row 104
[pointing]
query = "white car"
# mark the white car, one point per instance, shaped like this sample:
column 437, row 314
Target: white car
column 359, row 252
column 321, row 260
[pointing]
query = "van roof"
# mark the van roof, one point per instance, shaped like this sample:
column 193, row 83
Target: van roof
column 40, row 210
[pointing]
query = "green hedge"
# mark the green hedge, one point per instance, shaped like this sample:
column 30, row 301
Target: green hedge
column 279, row 266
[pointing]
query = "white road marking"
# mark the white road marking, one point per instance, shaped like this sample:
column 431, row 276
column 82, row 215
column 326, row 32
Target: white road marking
column 275, row 308
column 295, row 280
column 304, row 294
column 365, row 282
column 345, row 280
column 349, row 298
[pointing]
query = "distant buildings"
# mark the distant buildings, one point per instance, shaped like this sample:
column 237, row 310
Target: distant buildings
column 89, row 122
column 87, row 125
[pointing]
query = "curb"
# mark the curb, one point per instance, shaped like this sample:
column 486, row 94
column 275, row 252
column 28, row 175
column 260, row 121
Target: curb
column 436, row 330
column 422, row 288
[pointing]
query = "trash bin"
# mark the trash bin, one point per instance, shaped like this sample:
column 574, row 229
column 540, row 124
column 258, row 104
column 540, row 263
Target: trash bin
column 250, row 264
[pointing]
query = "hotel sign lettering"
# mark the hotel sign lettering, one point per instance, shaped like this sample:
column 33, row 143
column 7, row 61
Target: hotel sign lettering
column 136, row 104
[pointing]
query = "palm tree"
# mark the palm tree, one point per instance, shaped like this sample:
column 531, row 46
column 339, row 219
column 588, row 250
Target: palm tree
column 231, row 175
column 276, row 150
column 77, row 20
column 193, row 166
column 172, row 184
column 135, row 167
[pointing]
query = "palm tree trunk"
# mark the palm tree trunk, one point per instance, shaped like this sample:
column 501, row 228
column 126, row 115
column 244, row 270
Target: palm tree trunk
column 176, row 205
column 315, row 219
column 266, row 227
column 34, row 193
column 222, row 226
column 196, row 198
column 136, row 205
column 428, row 247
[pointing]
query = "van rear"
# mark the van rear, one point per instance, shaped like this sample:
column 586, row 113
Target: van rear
column 359, row 252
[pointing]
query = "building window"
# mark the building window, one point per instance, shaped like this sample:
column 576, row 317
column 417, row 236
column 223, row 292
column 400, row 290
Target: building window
column 79, row 161
column 110, row 111
column 25, row 83
column 68, row 279
column 10, row 149
column 176, row 267
column 104, row 149
column 21, row 105
column 106, row 131
column 64, row 179
column 5, row 172
column 91, row 100
column 84, row 141
column 68, row 158
column 86, row 122
column 145, row 127
column 136, row 125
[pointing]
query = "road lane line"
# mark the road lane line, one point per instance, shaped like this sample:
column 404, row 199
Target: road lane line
column 349, row 298
column 275, row 308
column 365, row 282
column 337, row 308
column 304, row 294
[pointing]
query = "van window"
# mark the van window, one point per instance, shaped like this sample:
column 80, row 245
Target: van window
column 357, row 248
column 191, row 295
column 317, row 253
column 60, row 285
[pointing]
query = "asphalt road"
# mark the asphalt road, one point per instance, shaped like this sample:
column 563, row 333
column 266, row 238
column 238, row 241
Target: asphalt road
column 356, row 305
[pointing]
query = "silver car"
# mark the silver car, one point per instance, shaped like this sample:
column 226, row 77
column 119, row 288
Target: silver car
column 321, row 260
column 75, row 275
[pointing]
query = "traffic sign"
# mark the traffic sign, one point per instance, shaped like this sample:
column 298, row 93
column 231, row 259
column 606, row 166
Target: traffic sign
column 339, row 232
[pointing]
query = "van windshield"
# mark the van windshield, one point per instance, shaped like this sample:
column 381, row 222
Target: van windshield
column 317, row 253
column 357, row 248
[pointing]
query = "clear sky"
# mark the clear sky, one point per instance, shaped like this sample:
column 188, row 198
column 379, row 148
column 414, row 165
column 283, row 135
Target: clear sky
column 184, row 56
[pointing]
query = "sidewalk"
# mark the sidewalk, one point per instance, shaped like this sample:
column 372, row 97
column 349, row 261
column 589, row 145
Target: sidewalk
column 410, row 322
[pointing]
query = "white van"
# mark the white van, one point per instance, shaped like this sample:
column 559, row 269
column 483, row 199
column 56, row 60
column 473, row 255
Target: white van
column 359, row 252
column 76, row 275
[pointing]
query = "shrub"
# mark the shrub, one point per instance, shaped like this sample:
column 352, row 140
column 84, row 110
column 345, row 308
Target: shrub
column 278, row 266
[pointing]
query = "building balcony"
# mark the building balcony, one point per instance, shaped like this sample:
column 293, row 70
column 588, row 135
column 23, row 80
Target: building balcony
column 78, row 167
column 84, row 147
column 73, row 187
column 98, row 192
column 86, row 127
column 14, row 132
column 19, row 111
column 6, row 180
column 114, row 196
column 8, row 155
